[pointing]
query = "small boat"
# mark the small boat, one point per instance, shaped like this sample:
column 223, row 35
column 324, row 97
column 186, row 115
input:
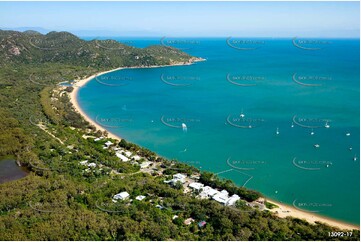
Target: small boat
column 292, row 125
column 250, row 126
column 327, row 165
column 355, row 158
column 277, row 132
column 242, row 114
column 184, row 127
column 312, row 133
column 327, row 125
column 348, row 134
column 317, row 146
column 350, row 148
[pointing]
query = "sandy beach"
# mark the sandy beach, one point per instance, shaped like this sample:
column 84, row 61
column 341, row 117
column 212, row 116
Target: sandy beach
column 282, row 210
column 80, row 83
column 287, row 210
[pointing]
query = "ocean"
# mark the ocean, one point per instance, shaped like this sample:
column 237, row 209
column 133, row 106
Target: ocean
column 280, row 116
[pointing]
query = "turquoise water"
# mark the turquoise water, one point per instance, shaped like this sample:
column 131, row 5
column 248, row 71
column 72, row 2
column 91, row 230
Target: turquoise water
column 148, row 107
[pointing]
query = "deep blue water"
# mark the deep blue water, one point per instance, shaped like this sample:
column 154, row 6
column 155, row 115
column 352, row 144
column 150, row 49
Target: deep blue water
column 271, row 82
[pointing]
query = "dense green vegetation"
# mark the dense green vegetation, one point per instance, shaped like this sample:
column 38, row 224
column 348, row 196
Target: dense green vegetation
column 60, row 200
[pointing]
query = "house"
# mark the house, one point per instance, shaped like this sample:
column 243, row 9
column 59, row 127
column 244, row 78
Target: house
column 128, row 153
column 84, row 163
column 121, row 196
column 208, row 192
column 97, row 139
column 174, row 217
column 221, row 198
column 196, row 186
column 232, row 200
column 140, row 197
column 179, row 177
column 188, row 221
column 202, row 223
column 122, row 157
column 136, row 157
column 92, row 164
column 145, row 164
column 108, row 143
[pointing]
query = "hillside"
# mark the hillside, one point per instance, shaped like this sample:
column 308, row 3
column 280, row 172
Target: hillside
column 63, row 47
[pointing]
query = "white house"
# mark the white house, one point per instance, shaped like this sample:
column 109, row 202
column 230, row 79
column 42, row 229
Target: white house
column 97, row 139
column 128, row 153
column 232, row 200
column 140, row 197
column 84, row 163
column 122, row 157
column 108, row 143
column 136, row 157
column 145, row 164
column 179, row 177
column 221, row 198
column 121, row 196
column 92, row 164
column 196, row 186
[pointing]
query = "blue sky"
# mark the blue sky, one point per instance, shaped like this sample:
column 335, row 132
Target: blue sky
column 252, row 19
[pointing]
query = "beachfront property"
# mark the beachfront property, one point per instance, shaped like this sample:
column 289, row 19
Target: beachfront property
column 196, row 186
column 121, row 156
column 121, row 196
column 207, row 192
column 177, row 178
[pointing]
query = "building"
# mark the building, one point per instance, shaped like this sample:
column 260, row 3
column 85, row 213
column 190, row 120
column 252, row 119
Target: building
column 121, row 156
column 232, row 200
column 221, row 198
column 92, row 164
column 188, row 221
column 108, row 143
column 145, row 164
column 140, row 197
column 97, row 139
column 121, row 196
column 196, row 186
column 201, row 224
column 177, row 178
column 84, row 163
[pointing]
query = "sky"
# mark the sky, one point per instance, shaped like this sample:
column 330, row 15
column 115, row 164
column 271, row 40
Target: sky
column 187, row 19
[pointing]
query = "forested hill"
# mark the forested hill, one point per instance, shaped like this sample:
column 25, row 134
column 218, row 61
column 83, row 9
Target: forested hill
column 63, row 47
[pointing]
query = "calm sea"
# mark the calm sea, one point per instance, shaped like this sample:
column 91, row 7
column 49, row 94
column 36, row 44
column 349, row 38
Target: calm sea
column 280, row 116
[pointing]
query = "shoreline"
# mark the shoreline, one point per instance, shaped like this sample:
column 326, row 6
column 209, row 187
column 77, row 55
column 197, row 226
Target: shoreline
column 282, row 208
column 82, row 82
column 285, row 210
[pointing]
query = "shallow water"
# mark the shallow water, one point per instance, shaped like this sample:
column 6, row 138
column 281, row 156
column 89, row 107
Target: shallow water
column 149, row 107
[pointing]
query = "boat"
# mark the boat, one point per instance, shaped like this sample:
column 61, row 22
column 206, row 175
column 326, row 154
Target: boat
column 355, row 158
column 292, row 125
column 327, row 125
column 277, row 132
column 348, row 134
column 312, row 133
column 317, row 146
column 242, row 115
column 184, row 127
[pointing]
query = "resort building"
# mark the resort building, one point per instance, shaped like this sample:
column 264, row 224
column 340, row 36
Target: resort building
column 196, row 186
